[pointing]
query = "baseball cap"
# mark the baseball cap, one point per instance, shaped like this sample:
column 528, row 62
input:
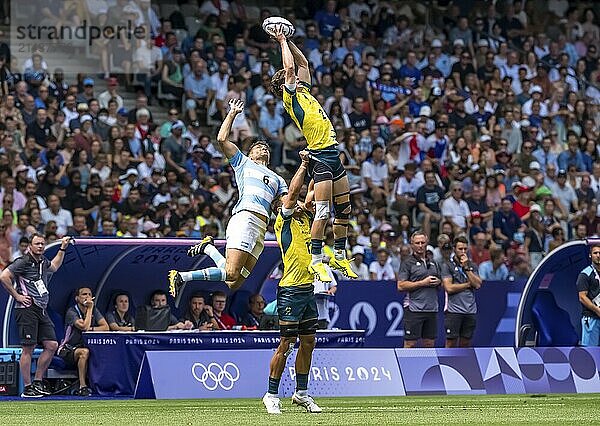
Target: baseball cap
column 535, row 208
column 183, row 200
column 149, row 225
column 485, row 138
column 475, row 214
column 483, row 43
column 429, row 248
column 425, row 111
column 436, row 43
column 535, row 89
column 88, row 81
column 358, row 250
column 178, row 125
column 534, row 165
column 85, row 118
column 459, row 42
column 397, row 122
column 562, row 173
column 122, row 112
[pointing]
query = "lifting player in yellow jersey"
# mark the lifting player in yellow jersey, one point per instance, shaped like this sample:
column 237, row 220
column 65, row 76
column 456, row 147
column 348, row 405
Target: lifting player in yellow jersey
column 296, row 305
column 325, row 167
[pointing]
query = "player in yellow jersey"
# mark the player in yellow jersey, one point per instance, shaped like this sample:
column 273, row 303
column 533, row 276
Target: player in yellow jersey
column 296, row 305
column 325, row 167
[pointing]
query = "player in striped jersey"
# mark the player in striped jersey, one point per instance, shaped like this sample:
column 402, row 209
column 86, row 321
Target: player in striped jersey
column 258, row 187
column 325, row 166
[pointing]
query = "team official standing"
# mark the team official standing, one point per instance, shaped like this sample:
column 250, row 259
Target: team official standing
column 420, row 278
column 460, row 278
column 30, row 272
column 588, row 286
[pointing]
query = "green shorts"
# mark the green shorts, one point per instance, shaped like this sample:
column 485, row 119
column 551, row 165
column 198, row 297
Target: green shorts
column 325, row 165
column 296, row 303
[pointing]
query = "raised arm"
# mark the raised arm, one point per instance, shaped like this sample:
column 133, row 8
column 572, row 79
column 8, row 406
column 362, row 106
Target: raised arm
column 301, row 62
column 289, row 201
column 227, row 147
column 287, row 58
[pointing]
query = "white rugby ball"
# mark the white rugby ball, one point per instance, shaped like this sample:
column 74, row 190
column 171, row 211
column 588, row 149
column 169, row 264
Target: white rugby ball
column 271, row 24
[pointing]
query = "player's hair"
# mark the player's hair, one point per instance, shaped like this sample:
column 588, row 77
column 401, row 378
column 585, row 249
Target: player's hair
column 276, row 81
column 258, row 142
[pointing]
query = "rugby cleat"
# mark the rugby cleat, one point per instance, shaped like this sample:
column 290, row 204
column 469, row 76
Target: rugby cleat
column 175, row 282
column 272, row 403
column 307, row 402
column 344, row 266
column 198, row 249
column 320, row 272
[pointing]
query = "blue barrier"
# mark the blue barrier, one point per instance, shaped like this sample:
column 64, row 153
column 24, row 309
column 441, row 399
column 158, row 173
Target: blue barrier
column 374, row 372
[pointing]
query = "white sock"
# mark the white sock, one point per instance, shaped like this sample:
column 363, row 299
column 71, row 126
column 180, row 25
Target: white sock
column 317, row 258
column 214, row 254
column 186, row 276
column 302, row 392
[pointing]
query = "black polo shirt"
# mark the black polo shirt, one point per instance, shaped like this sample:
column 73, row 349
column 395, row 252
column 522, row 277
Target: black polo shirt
column 27, row 271
column 423, row 299
column 462, row 302
column 588, row 281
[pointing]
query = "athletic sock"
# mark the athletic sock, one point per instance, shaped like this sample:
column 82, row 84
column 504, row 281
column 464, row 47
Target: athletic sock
column 215, row 255
column 339, row 246
column 274, row 385
column 208, row 274
column 301, row 382
column 316, row 250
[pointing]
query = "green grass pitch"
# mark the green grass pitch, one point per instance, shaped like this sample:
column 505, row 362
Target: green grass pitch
column 430, row 410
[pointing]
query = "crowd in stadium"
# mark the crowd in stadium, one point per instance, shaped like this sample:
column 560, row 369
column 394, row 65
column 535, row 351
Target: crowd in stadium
column 465, row 117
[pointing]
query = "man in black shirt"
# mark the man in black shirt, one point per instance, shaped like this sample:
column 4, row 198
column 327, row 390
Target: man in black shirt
column 40, row 128
column 428, row 201
column 421, row 279
column 357, row 118
column 200, row 314
column 83, row 316
column 31, row 273
column 588, row 286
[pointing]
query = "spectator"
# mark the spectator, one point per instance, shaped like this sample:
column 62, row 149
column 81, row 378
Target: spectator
column 83, row 316
column 158, row 302
column 381, row 269
column 495, row 268
column 358, row 266
column 375, row 175
column 54, row 212
column 455, row 209
column 256, row 305
column 506, row 223
column 429, row 197
column 199, row 314
column 108, row 94
column 120, row 319
column 224, row 320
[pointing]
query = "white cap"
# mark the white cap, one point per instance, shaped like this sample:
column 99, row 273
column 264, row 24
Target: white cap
column 436, row 43
column 425, row 110
column 483, row 43
column 358, row 249
column 534, row 165
column 529, row 182
column 535, row 88
column 459, row 42
column 535, row 208
column 429, row 248
column 485, row 138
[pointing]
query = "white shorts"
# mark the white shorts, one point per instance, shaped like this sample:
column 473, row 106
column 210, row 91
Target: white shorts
column 246, row 232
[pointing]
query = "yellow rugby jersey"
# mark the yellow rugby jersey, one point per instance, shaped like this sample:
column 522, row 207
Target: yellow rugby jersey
column 293, row 236
column 309, row 116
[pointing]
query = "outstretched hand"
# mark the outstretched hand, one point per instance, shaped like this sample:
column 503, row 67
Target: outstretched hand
column 236, row 106
column 279, row 35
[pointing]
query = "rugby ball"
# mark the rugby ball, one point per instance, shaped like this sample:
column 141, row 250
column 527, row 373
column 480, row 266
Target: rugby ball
column 271, row 24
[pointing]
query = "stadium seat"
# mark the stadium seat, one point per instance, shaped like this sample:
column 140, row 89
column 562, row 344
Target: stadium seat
column 552, row 323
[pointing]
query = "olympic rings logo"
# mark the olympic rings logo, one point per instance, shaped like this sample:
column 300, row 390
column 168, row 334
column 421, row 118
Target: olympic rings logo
column 213, row 375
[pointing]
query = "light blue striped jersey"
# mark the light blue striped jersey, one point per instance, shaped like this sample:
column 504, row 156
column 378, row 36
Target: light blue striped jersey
column 258, row 186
